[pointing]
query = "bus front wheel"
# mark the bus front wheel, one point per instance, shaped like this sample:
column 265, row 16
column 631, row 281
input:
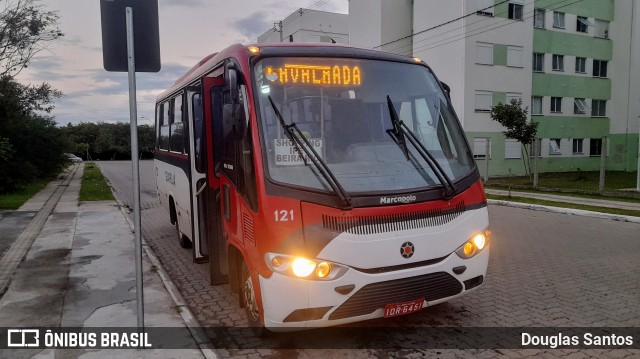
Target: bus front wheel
column 248, row 295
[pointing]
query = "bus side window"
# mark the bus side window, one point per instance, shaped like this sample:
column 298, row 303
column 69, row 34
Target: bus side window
column 177, row 127
column 228, row 139
column 158, row 124
column 198, row 133
column 164, row 128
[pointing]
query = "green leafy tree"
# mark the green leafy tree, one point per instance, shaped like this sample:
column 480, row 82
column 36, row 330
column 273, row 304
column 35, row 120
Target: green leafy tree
column 514, row 118
column 25, row 29
column 31, row 146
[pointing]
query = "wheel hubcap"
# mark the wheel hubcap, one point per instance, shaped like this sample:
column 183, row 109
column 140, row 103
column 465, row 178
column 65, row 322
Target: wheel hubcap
column 250, row 300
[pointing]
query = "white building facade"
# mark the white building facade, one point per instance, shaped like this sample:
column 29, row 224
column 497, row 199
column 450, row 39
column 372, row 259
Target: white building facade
column 571, row 64
column 306, row 25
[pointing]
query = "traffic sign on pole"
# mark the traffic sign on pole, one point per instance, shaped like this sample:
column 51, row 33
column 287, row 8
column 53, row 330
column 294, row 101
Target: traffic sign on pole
column 139, row 53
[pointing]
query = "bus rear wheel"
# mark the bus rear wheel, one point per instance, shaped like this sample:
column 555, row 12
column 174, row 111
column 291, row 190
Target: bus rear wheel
column 182, row 239
column 248, row 295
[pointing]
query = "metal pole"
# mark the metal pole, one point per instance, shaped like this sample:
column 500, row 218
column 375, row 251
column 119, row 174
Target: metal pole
column 133, row 116
column 603, row 161
column 280, row 26
column 487, row 154
column 536, row 146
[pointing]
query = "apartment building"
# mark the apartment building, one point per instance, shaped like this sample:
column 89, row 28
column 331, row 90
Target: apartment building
column 571, row 62
column 306, row 25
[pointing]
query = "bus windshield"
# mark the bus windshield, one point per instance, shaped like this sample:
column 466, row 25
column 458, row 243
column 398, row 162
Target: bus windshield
column 340, row 106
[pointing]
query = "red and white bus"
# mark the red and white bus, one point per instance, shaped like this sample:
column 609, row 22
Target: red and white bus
column 325, row 184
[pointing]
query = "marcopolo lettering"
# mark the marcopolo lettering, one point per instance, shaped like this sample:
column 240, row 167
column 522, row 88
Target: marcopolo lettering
column 401, row 199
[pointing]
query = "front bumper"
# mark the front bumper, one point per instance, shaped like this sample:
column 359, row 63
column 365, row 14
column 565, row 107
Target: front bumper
column 332, row 303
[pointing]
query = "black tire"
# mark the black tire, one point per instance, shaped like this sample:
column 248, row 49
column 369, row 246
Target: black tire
column 182, row 239
column 251, row 308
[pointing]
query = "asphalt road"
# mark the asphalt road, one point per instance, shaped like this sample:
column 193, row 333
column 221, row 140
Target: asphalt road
column 546, row 270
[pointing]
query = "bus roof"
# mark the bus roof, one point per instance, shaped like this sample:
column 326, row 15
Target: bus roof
column 239, row 51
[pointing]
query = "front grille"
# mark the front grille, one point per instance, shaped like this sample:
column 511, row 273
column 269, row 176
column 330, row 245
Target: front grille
column 375, row 296
column 392, row 222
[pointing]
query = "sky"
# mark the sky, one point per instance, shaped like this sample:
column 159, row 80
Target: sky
column 189, row 30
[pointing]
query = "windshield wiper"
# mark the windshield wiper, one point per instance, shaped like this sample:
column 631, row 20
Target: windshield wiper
column 301, row 145
column 400, row 131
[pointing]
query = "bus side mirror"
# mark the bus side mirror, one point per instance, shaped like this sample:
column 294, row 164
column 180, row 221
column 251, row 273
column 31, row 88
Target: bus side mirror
column 233, row 84
column 447, row 89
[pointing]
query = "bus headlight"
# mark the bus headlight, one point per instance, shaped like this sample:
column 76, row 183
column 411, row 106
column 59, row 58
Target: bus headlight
column 300, row 267
column 474, row 245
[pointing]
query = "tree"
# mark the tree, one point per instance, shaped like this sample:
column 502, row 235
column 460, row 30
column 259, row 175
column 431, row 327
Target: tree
column 25, row 28
column 514, row 118
column 31, row 147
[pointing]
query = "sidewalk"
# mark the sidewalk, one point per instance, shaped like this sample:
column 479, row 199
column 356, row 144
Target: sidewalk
column 632, row 206
column 79, row 272
column 567, row 199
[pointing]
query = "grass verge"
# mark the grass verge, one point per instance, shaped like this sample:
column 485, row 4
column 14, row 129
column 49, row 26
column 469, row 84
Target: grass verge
column 623, row 212
column 579, row 180
column 566, row 194
column 17, row 198
column 94, row 185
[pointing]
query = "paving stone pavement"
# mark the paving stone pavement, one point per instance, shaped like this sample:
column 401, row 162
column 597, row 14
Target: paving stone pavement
column 546, row 269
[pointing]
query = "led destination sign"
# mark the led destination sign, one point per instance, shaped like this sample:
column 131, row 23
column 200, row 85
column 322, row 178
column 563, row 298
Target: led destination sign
column 290, row 74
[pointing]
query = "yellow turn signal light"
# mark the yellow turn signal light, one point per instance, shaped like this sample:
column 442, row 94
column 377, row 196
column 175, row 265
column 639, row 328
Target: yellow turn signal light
column 253, row 49
column 323, row 269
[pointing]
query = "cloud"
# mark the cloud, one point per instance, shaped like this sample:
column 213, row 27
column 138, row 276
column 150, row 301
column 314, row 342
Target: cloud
column 183, row 3
column 253, row 25
column 109, row 96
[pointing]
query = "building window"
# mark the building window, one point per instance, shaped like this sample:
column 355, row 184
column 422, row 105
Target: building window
column 484, row 53
column 513, row 96
column 580, row 106
column 595, row 147
column 514, row 56
column 599, row 68
column 480, row 147
column 484, row 100
column 577, row 146
column 512, row 148
column 558, row 62
column 554, row 146
column 558, row 20
column 536, row 105
column 582, row 24
column 537, row 151
column 602, row 29
column 538, row 18
column 556, row 104
column 515, row 11
column 538, row 62
column 485, row 7
column 598, row 108
column 581, row 65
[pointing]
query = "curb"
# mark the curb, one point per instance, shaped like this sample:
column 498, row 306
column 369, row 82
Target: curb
column 198, row 334
column 570, row 211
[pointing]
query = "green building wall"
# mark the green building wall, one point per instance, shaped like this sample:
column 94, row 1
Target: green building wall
column 622, row 148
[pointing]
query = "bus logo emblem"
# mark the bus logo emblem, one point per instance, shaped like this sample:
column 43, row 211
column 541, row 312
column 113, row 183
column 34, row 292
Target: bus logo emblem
column 407, row 249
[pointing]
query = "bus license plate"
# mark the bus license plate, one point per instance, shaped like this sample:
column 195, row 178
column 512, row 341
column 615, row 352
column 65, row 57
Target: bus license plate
column 393, row 310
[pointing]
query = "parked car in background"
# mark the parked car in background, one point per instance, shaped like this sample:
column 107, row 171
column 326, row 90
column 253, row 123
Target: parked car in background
column 73, row 158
